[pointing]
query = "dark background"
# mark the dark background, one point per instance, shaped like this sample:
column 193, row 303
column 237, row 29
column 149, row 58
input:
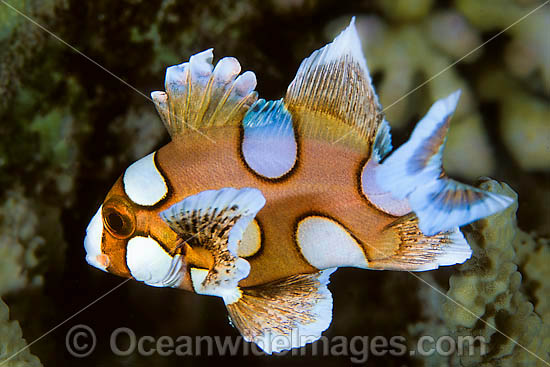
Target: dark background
column 105, row 126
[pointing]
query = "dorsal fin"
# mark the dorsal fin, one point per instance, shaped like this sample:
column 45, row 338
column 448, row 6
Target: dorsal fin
column 200, row 96
column 333, row 93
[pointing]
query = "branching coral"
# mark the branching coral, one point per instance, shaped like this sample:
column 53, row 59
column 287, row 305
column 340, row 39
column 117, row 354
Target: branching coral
column 524, row 125
column 528, row 52
column 492, row 287
column 18, row 244
column 497, row 299
column 13, row 348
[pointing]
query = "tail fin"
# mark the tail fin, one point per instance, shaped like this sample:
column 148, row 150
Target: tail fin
column 414, row 171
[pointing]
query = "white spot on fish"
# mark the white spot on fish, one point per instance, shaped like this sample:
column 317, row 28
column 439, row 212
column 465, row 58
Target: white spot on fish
column 326, row 244
column 251, row 240
column 149, row 263
column 143, row 183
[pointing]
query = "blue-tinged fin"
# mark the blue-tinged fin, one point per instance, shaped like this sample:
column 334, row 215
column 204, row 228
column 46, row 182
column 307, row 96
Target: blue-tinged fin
column 269, row 146
column 333, row 92
column 200, row 96
column 414, row 172
column 447, row 203
column 382, row 143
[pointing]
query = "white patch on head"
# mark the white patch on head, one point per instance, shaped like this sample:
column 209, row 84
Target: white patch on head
column 229, row 294
column 149, row 263
column 326, row 244
column 143, row 183
column 92, row 242
column 251, row 240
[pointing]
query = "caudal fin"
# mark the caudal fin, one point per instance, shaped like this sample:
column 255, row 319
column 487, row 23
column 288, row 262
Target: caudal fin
column 414, row 172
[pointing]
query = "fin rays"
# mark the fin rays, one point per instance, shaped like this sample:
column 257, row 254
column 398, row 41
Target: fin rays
column 419, row 252
column 216, row 220
column 334, row 82
column 414, row 172
column 200, row 96
column 294, row 311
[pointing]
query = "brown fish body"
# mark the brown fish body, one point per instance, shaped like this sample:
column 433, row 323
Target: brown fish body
column 315, row 186
column 258, row 202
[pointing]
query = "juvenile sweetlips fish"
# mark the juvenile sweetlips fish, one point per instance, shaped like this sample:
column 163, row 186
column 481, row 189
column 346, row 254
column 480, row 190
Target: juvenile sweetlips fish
column 279, row 194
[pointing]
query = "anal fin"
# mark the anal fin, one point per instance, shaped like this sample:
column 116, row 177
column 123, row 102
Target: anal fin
column 286, row 313
column 416, row 251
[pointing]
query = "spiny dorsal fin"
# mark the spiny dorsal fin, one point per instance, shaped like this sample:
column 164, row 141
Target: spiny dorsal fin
column 334, row 83
column 216, row 220
column 286, row 313
column 200, row 96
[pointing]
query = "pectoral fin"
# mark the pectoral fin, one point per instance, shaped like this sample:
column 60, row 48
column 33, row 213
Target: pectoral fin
column 216, row 220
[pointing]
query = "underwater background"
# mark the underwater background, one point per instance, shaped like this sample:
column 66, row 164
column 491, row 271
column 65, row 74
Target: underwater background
column 68, row 129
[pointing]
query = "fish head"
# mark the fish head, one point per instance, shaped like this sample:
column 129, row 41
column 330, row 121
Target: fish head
column 109, row 231
column 127, row 237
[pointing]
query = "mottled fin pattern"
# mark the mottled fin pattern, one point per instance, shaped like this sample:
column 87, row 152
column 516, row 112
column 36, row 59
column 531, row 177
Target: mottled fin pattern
column 199, row 96
column 216, row 220
column 284, row 314
column 414, row 172
column 418, row 252
column 269, row 146
column 334, row 83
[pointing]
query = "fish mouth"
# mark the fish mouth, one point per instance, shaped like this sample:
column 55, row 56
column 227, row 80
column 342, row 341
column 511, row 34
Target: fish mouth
column 92, row 243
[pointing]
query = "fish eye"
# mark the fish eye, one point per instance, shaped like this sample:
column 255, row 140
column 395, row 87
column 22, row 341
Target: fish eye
column 118, row 218
column 115, row 221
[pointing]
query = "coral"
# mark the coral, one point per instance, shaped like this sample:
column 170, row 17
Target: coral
column 12, row 342
column 468, row 150
column 492, row 287
column 403, row 54
column 498, row 297
column 69, row 128
column 20, row 40
column 528, row 52
column 18, row 244
column 525, row 129
column 524, row 123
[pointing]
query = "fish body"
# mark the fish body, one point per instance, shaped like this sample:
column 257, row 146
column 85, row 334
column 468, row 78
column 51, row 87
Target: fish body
column 258, row 202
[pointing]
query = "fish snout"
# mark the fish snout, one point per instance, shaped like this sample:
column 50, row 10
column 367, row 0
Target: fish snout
column 92, row 243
